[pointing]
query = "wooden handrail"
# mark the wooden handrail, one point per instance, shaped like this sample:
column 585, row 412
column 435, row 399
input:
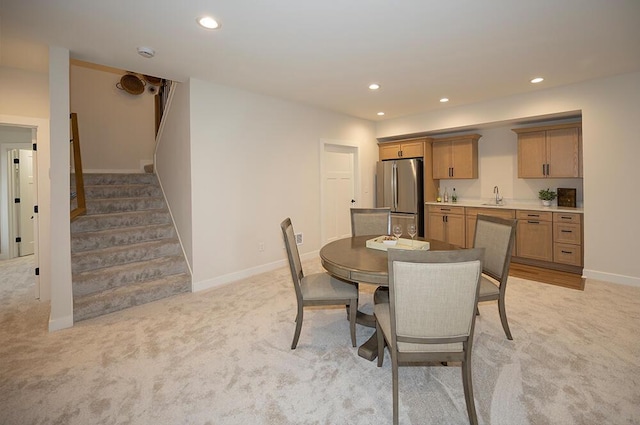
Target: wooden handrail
column 81, row 206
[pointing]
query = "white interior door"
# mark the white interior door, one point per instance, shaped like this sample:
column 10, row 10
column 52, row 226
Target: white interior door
column 339, row 163
column 27, row 202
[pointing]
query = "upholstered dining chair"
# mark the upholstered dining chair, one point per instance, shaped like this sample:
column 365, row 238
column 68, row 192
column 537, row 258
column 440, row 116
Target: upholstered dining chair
column 318, row 288
column 430, row 316
column 370, row 221
column 496, row 235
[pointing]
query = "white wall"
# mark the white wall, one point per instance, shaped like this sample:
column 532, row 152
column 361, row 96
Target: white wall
column 610, row 110
column 254, row 161
column 24, row 93
column 173, row 163
column 61, row 315
column 117, row 129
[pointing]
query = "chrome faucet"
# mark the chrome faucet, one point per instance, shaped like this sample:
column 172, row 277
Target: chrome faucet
column 497, row 193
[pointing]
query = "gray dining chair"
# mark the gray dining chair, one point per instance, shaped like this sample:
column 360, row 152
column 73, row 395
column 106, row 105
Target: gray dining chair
column 497, row 236
column 370, row 221
column 318, row 288
column 430, row 316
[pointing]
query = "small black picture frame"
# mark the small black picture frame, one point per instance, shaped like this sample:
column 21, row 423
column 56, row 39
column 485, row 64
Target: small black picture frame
column 566, row 197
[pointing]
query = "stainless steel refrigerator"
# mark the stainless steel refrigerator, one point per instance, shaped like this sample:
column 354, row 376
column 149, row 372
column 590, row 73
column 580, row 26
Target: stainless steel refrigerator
column 399, row 187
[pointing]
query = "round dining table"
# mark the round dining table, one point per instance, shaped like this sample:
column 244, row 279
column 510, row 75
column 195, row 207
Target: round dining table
column 350, row 259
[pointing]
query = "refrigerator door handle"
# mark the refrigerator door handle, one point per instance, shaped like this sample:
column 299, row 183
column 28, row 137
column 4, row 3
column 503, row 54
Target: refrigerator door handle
column 395, row 187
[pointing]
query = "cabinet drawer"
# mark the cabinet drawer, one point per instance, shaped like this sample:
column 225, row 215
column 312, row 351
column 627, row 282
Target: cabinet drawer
column 534, row 215
column 446, row 209
column 567, row 254
column 567, row 233
column 567, row 217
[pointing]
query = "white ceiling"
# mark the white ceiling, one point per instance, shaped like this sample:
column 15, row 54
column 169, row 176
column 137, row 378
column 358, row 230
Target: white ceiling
column 326, row 52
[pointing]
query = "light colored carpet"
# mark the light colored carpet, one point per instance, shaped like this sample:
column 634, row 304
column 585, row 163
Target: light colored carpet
column 223, row 357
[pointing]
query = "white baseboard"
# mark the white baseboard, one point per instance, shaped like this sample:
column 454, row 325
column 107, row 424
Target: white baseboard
column 243, row 274
column 611, row 277
column 61, row 323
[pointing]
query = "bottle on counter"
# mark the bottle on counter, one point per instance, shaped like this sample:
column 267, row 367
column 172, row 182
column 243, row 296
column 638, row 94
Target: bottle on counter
column 446, row 194
column 454, row 196
column 439, row 198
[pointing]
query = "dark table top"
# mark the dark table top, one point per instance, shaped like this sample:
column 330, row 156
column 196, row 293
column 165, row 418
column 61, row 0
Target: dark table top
column 350, row 259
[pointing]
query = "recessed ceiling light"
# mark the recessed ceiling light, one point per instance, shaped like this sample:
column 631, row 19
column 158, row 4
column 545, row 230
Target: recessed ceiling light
column 537, row 80
column 374, row 86
column 146, row 52
column 380, row 113
column 444, row 100
column 208, row 22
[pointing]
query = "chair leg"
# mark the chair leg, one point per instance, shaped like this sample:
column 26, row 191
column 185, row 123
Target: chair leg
column 352, row 320
column 468, row 391
column 380, row 337
column 394, row 374
column 503, row 318
column 296, row 335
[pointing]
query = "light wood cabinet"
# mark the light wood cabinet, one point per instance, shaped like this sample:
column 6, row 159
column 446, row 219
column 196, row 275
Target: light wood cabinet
column 456, row 157
column 567, row 239
column 446, row 223
column 550, row 151
column 534, row 235
column 402, row 150
column 472, row 214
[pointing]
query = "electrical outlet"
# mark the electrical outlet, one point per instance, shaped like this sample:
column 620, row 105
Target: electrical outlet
column 299, row 239
column 261, row 246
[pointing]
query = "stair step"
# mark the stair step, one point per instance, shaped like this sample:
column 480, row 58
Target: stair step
column 122, row 191
column 101, row 239
column 115, row 205
column 101, row 258
column 95, row 222
column 119, row 298
column 117, row 178
column 92, row 281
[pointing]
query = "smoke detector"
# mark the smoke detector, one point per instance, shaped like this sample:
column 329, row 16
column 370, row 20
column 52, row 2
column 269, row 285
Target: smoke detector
column 146, row 52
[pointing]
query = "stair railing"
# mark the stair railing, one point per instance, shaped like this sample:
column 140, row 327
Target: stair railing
column 78, row 202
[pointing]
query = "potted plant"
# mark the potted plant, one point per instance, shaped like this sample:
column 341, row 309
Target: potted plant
column 547, row 195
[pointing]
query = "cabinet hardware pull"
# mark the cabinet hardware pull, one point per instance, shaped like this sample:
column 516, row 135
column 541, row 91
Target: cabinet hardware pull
column 564, row 217
column 543, row 170
column 445, row 209
column 533, row 215
column 566, row 252
column 566, row 231
column 533, row 222
column 548, row 171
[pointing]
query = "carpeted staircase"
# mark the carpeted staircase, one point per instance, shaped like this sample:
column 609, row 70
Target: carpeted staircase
column 124, row 251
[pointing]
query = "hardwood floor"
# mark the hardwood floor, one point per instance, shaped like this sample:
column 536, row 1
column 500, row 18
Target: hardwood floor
column 553, row 277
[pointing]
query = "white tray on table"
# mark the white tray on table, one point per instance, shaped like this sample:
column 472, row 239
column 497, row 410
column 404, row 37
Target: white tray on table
column 376, row 243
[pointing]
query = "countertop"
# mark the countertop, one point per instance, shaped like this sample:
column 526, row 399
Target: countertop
column 515, row 205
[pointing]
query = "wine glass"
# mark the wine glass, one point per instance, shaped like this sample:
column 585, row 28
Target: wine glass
column 397, row 230
column 412, row 231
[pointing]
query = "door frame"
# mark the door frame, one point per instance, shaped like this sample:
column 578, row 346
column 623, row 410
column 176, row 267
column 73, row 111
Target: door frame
column 347, row 147
column 40, row 136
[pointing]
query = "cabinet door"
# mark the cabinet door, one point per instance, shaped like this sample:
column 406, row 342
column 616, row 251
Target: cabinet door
column 563, row 152
column 464, row 159
column 455, row 230
column 389, row 151
column 534, row 239
column 531, row 154
column 412, row 149
column 436, row 227
column 441, row 152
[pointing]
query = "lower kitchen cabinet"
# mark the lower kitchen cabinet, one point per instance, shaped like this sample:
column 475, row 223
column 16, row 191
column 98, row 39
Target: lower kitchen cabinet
column 567, row 239
column 534, row 235
column 447, row 223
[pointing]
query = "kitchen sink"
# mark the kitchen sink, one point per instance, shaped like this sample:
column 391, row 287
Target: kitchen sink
column 493, row 204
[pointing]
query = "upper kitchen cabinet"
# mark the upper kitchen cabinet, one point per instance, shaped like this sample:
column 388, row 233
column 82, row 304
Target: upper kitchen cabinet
column 550, row 151
column 456, row 157
column 401, row 150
